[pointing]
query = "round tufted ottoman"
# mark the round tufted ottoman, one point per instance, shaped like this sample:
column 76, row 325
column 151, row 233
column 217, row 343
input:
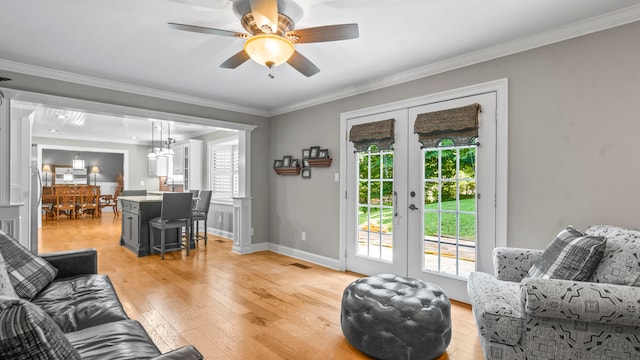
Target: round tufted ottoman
column 394, row 317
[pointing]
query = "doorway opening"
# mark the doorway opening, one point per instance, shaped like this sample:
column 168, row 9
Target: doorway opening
column 26, row 166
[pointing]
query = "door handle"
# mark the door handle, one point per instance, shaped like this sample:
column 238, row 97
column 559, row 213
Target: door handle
column 413, row 207
column 395, row 202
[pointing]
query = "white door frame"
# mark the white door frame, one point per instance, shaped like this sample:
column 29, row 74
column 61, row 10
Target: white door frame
column 502, row 136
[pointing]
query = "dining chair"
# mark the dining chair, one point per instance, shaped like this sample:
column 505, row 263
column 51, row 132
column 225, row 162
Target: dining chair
column 89, row 200
column 111, row 201
column 48, row 201
column 65, row 200
column 175, row 213
column 201, row 212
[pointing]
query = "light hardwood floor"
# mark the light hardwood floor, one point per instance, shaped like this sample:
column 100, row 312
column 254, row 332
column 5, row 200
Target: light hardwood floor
column 258, row 306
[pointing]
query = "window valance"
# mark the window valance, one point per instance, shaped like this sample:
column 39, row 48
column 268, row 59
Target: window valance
column 380, row 133
column 458, row 124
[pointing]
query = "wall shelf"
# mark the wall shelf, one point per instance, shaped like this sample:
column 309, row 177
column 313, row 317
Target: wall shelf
column 319, row 162
column 287, row 170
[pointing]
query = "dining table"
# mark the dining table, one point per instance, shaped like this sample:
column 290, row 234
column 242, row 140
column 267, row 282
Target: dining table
column 50, row 199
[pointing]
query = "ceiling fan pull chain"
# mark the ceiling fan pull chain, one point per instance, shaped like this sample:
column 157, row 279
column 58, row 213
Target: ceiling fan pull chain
column 270, row 66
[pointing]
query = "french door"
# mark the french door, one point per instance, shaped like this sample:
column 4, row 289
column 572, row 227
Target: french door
column 377, row 232
column 424, row 212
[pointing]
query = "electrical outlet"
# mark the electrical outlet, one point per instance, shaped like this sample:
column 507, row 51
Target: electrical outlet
column 304, row 236
column 141, row 182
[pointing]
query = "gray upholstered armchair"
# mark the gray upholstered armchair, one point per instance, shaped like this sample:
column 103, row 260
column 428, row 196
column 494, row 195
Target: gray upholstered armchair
column 521, row 317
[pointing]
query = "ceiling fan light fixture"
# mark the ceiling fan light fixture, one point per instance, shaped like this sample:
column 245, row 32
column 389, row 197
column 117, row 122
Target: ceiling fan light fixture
column 268, row 49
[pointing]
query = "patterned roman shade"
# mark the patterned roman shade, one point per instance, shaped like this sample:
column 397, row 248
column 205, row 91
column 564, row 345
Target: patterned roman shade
column 380, row 133
column 458, row 124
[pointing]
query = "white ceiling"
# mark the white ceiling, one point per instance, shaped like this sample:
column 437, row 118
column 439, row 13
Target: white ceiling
column 57, row 123
column 127, row 45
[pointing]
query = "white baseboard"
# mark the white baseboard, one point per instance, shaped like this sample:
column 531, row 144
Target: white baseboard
column 303, row 255
column 263, row 246
column 221, row 233
column 285, row 250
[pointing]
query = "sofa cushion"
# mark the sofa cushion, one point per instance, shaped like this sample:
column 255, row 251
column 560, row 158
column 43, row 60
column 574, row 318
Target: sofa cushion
column 496, row 308
column 125, row 339
column 82, row 301
column 620, row 263
column 6, row 289
column 28, row 333
column 571, row 256
column 29, row 273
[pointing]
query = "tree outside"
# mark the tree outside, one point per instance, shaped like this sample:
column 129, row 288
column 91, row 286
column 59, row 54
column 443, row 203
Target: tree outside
column 375, row 190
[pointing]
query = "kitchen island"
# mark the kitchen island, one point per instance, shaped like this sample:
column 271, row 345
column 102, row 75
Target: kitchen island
column 136, row 213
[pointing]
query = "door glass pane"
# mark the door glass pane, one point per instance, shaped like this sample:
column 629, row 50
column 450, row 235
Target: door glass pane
column 450, row 210
column 375, row 166
column 375, row 210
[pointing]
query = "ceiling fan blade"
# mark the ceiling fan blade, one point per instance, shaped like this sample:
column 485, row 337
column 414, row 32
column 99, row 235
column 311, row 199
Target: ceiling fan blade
column 265, row 12
column 303, row 65
column 236, row 60
column 325, row 33
column 207, row 30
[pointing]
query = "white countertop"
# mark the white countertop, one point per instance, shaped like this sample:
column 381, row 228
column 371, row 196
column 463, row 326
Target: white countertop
column 147, row 198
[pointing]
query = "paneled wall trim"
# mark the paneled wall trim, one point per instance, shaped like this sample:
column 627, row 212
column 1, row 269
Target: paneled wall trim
column 10, row 220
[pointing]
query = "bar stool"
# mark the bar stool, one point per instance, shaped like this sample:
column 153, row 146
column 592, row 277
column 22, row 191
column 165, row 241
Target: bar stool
column 201, row 212
column 175, row 213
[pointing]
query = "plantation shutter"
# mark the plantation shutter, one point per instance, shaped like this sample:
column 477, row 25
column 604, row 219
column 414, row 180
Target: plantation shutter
column 380, row 133
column 458, row 124
column 223, row 167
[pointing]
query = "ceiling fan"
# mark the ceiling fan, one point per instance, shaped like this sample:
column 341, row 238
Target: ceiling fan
column 272, row 37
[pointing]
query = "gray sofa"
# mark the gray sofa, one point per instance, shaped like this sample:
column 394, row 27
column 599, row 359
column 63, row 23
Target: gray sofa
column 74, row 314
column 523, row 317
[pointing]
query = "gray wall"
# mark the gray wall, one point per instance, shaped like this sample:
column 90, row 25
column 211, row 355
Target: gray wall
column 138, row 167
column 573, row 129
column 110, row 164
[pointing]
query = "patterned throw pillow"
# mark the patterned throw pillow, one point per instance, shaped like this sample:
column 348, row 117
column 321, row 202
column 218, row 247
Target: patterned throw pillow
column 28, row 333
column 571, row 256
column 29, row 273
column 620, row 264
column 6, row 289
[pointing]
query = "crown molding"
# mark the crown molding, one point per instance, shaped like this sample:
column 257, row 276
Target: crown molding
column 574, row 30
column 125, row 87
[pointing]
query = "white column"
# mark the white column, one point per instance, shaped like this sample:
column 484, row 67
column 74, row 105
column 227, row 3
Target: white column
column 242, row 230
column 5, row 151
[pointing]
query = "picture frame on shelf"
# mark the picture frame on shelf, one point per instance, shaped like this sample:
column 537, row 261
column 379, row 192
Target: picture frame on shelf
column 305, row 163
column 323, row 153
column 277, row 163
column 294, row 162
column 313, row 152
column 306, row 153
column 306, row 173
column 286, row 161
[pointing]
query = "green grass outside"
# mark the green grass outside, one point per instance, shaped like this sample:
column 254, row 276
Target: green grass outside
column 467, row 222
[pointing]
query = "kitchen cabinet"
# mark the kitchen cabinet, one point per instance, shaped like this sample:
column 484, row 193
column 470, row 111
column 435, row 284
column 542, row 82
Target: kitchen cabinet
column 189, row 161
column 178, row 159
column 136, row 213
column 135, row 223
column 158, row 166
